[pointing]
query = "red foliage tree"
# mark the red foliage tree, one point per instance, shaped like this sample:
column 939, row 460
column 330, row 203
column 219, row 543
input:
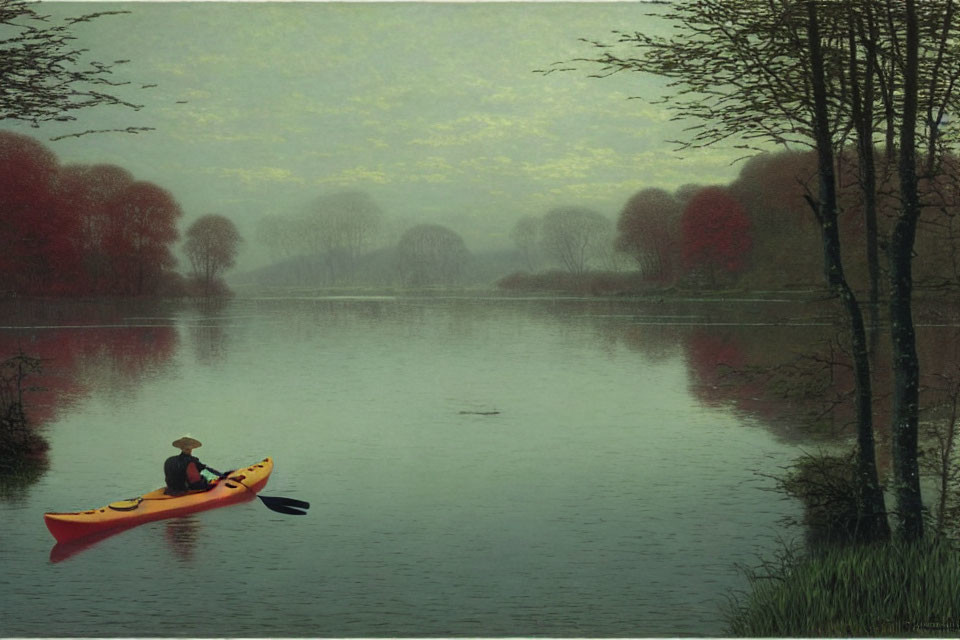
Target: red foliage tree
column 649, row 230
column 85, row 191
column 142, row 225
column 716, row 234
column 37, row 237
column 80, row 229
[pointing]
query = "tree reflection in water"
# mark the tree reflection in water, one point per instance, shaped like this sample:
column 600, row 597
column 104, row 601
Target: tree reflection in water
column 208, row 330
column 82, row 348
column 786, row 364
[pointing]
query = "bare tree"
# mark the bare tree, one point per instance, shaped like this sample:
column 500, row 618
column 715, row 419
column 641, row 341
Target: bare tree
column 906, row 365
column 211, row 245
column 430, row 254
column 342, row 227
column 278, row 235
column 573, row 236
column 525, row 235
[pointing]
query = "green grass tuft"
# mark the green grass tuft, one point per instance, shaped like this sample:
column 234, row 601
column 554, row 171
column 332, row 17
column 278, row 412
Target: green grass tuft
column 875, row 590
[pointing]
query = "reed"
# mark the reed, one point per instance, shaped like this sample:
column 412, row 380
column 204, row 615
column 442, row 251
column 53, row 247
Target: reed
column 858, row 590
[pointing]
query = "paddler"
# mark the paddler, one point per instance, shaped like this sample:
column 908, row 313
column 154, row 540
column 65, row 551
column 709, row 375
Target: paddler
column 183, row 472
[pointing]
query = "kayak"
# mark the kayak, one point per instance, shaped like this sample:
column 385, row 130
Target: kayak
column 242, row 484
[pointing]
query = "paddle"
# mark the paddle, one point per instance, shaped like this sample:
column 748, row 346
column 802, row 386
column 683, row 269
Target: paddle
column 288, row 506
column 285, row 505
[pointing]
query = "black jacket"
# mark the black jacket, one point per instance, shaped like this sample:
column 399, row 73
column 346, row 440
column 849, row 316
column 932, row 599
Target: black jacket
column 175, row 470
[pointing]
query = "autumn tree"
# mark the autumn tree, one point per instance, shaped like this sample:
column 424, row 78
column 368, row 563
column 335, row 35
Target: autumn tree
column 85, row 191
column 573, row 236
column 716, row 235
column 142, row 225
column 211, row 245
column 79, row 230
column 37, row 235
column 431, row 254
column 786, row 248
column 649, row 231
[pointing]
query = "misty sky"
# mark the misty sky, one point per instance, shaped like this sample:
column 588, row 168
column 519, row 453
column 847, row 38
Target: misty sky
column 432, row 109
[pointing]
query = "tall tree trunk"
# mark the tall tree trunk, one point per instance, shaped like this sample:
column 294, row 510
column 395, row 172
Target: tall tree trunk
column 906, row 367
column 874, row 517
column 862, row 113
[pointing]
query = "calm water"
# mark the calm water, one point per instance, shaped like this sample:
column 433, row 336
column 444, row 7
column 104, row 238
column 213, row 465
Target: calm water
column 610, row 496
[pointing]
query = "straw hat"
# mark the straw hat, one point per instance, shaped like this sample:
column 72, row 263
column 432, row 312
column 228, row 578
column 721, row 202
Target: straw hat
column 186, row 442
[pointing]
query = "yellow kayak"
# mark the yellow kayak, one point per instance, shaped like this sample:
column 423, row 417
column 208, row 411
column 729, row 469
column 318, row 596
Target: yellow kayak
column 240, row 485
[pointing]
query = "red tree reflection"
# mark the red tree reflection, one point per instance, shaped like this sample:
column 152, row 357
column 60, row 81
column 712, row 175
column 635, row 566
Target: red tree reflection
column 711, row 356
column 77, row 360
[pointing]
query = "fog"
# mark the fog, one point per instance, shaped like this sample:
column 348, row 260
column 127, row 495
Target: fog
column 432, row 110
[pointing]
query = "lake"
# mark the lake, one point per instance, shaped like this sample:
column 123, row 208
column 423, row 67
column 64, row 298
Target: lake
column 477, row 466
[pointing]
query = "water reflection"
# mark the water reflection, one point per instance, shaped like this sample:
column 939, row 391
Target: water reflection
column 602, row 453
column 63, row 551
column 208, row 332
column 182, row 535
column 79, row 360
column 786, row 365
column 14, row 483
column 780, row 362
column 209, row 342
column 108, row 348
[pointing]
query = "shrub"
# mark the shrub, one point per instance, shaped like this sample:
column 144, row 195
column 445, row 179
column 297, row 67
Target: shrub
column 828, row 488
column 20, row 445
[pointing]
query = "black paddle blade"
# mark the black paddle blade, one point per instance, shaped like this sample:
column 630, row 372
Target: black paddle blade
column 279, row 508
column 290, row 502
column 285, row 505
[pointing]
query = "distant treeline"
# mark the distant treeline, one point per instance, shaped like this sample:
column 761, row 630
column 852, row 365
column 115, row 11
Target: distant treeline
column 756, row 233
column 96, row 230
column 345, row 239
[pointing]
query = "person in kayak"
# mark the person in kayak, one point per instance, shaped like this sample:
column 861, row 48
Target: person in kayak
column 183, row 472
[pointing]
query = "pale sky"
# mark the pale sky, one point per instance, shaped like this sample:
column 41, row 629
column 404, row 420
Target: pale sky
column 432, row 109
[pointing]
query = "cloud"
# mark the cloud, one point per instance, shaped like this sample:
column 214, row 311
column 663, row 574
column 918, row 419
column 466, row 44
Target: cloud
column 576, row 164
column 433, row 169
column 384, row 98
column 478, row 128
column 499, row 165
column 253, row 176
column 353, row 176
